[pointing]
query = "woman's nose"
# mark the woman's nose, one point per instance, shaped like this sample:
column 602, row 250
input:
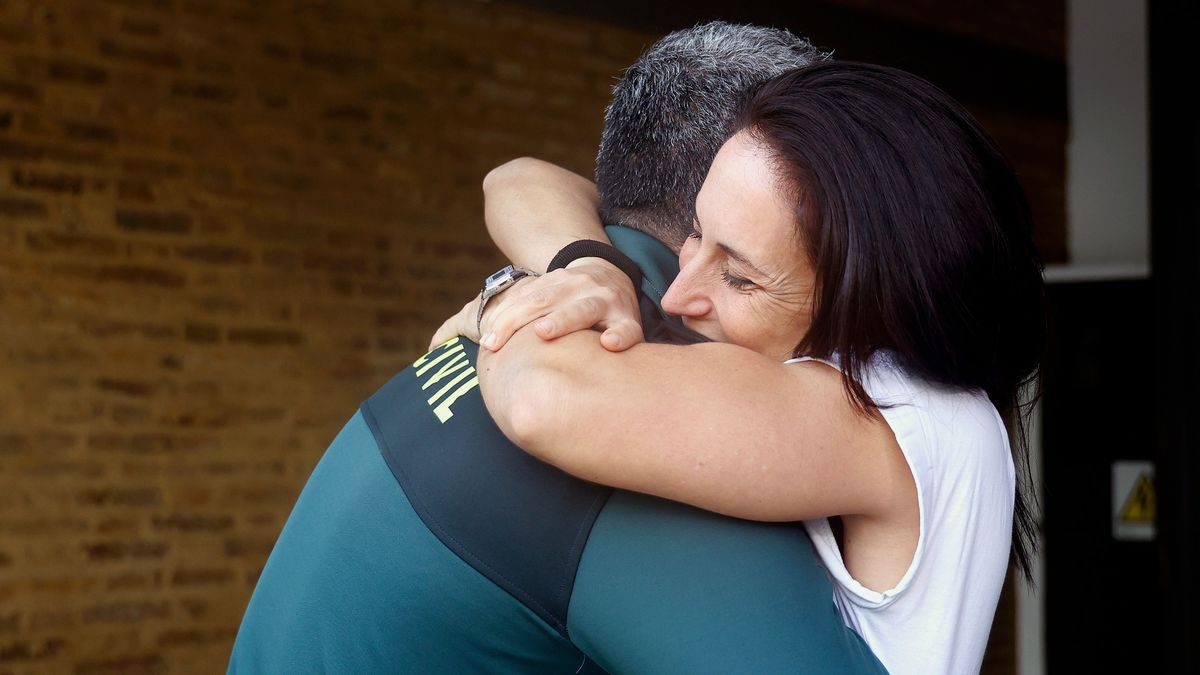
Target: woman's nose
column 686, row 296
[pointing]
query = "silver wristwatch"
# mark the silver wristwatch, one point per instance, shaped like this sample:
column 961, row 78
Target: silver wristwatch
column 497, row 283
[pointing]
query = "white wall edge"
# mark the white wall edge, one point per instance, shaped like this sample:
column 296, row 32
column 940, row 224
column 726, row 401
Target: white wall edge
column 1076, row 273
column 1108, row 203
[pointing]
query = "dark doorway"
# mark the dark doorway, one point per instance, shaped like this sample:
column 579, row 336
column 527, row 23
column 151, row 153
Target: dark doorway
column 1175, row 258
column 1102, row 602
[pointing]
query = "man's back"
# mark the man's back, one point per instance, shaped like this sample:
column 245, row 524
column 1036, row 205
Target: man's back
column 358, row 584
column 425, row 542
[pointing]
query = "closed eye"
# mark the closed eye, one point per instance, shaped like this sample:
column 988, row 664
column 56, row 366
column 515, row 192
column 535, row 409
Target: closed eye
column 736, row 282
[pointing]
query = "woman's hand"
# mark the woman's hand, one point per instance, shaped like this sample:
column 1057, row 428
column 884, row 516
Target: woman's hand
column 588, row 293
column 462, row 323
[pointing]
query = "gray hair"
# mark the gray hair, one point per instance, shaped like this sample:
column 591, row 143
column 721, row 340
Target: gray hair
column 672, row 111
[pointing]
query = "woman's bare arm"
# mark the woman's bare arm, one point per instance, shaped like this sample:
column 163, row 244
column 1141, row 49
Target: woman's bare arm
column 712, row 425
column 534, row 208
column 716, row 426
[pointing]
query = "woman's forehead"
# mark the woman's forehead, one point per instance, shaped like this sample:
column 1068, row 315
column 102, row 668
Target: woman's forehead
column 741, row 205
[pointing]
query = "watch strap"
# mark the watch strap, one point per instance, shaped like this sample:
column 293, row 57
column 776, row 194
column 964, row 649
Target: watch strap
column 589, row 248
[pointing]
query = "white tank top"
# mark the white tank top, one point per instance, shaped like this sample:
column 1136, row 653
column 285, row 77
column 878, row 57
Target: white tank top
column 938, row 617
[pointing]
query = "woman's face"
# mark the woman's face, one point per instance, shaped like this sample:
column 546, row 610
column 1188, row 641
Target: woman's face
column 744, row 277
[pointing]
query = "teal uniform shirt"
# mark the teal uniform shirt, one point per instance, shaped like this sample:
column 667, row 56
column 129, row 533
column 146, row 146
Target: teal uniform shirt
column 425, row 542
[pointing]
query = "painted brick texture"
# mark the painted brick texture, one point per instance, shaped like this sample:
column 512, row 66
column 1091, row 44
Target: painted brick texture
column 222, row 225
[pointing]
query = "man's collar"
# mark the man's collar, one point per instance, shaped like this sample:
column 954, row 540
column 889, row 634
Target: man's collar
column 658, row 262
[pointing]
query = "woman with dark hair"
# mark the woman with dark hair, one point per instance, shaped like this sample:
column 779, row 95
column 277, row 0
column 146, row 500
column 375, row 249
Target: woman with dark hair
column 863, row 261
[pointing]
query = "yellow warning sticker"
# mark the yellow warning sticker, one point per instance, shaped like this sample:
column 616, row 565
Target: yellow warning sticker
column 1133, row 503
column 1139, row 506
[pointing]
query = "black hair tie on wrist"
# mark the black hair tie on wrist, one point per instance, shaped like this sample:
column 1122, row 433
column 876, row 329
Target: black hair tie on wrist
column 588, row 248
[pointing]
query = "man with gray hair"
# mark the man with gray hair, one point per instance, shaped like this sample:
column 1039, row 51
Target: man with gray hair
column 671, row 113
column 425, row 542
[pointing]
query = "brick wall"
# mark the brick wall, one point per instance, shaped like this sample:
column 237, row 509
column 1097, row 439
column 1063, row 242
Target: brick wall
column 222, row 225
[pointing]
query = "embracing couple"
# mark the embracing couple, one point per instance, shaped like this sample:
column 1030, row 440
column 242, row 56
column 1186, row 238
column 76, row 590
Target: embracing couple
column 818, row 300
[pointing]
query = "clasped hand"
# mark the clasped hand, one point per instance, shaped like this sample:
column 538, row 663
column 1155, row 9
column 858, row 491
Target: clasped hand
column 589, row 293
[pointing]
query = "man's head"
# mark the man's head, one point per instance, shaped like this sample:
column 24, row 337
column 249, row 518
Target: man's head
column 670, row 113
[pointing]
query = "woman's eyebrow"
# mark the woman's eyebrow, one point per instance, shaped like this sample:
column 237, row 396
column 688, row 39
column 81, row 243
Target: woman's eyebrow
column 733, row 253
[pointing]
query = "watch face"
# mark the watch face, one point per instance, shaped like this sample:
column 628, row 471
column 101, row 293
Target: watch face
column 499, row 279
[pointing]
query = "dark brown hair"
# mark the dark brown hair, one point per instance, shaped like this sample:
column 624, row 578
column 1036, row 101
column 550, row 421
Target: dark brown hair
column 920, row 234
